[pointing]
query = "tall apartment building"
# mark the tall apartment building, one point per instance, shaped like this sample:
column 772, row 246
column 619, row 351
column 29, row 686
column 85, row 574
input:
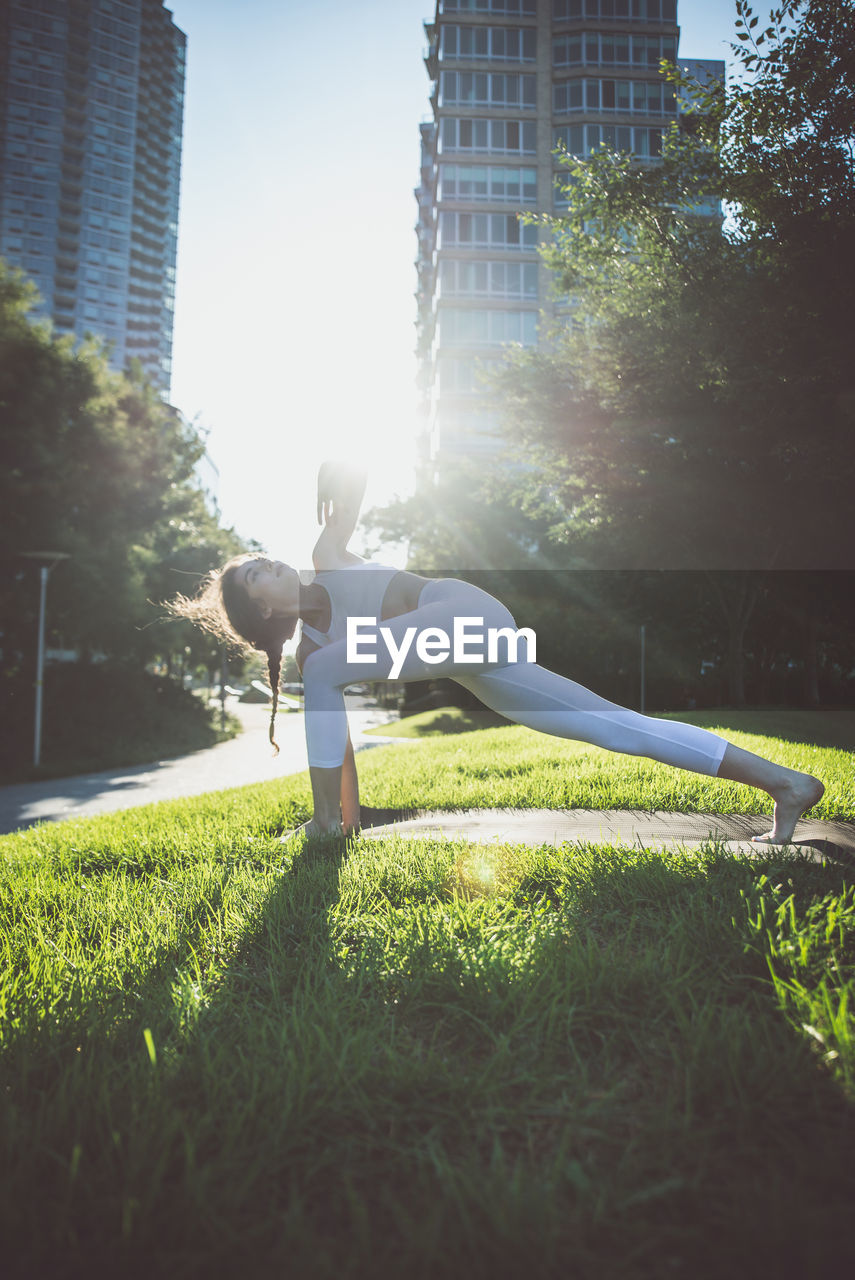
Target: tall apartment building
column 91, row 112
column 510, row 80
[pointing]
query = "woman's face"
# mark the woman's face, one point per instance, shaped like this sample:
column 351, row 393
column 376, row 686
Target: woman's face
column 272, row 585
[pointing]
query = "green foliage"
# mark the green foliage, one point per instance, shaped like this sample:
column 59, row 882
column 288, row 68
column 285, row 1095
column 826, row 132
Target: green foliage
column 95, row 465
column 689, row 380
column 471, row 519
column 101, row 716
column 707, row 369
column 517, row 768
column 224, row 1054
column 786, row 127
column 694, row 408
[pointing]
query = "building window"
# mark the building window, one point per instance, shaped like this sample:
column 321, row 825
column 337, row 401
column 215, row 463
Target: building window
column 485, row 230
column 462, row 376
column 508, row 44
column 460, row 278
column 487, row 182
column 621, row 10
column 471, row 326
column 648, row 97
column 568, row 96
column 515, row 137
column 486, row 89
column 606, row 49
column 513, row 8
column 471, row 433
column 582, row 139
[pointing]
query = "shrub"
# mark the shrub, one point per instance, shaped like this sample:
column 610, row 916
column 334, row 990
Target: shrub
column 99, row 716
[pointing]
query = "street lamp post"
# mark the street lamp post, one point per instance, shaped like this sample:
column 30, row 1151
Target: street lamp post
column 49, row 560
column 643, row 665
column 223, row 674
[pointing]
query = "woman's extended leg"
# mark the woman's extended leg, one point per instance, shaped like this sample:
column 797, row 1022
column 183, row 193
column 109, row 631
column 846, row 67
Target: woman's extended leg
column 543, row 700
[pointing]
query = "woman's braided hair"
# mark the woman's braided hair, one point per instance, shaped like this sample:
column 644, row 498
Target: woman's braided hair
column 222, row 607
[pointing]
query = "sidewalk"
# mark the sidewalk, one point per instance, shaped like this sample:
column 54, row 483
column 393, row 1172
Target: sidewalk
column 245, row 759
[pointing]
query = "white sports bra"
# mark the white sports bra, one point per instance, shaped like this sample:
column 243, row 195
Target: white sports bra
column 354, row 592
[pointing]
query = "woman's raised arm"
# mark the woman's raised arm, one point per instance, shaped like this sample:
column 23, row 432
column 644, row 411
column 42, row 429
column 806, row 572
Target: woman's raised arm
column 341, row 488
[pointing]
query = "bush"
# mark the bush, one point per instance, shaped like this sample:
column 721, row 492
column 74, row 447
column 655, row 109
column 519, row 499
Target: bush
column 98, row 717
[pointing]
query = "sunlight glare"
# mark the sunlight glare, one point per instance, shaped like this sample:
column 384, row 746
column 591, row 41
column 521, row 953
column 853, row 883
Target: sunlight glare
column 476, row 871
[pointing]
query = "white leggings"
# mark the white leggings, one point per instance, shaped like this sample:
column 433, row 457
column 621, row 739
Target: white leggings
column 520, row 691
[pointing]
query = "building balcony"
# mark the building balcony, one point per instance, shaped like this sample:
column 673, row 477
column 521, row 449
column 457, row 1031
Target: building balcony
column 475, row 17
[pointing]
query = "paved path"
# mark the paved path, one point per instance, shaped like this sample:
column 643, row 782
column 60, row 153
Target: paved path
column 247, row 758
column 244, row 759
column 658, row 830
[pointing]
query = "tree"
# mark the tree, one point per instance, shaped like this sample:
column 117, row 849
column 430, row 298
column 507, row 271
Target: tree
column 695, row 406
column 784, row 131
column 473, row 518
column 492, row 528
column 96, row 465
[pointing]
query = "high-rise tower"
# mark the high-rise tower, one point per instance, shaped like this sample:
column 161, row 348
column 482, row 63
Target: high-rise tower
column 510, row 81
column 91, row 110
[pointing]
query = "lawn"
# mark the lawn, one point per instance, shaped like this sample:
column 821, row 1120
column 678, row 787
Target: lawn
column 224, row 1054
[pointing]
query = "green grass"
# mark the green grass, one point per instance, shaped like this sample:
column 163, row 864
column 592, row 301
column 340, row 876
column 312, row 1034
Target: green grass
column 516, row 768
column 826, row 729
column 227, row 1055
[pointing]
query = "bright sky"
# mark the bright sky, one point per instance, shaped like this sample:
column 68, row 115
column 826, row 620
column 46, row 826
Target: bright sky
column 294, row 322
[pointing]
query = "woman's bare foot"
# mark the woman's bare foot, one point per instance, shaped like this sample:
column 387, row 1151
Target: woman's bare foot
column 795, row 794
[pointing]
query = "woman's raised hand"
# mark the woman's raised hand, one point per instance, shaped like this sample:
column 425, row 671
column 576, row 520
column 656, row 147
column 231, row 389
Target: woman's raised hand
column 340, row 489
column 326, row 490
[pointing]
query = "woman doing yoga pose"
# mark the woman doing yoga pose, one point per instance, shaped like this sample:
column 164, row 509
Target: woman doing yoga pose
column 400, row 623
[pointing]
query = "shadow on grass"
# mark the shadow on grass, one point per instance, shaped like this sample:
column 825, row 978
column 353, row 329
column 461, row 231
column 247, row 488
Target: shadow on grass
column 762, row 1122
column 309, row 1114
column 465, row 722
column 828, row 728
column 441, row 722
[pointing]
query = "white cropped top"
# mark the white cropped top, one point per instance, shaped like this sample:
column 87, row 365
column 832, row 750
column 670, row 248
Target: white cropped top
column 354, row 592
